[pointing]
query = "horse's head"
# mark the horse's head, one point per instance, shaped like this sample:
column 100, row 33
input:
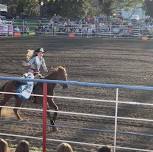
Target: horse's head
column 62, row 75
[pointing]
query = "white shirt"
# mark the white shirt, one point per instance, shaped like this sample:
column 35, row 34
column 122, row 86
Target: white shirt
column 36, row 63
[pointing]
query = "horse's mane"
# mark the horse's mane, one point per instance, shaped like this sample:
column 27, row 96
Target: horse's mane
column 57, row 69
column 60, row 68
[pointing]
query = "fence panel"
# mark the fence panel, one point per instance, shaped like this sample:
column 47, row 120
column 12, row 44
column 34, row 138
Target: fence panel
column 116, row 118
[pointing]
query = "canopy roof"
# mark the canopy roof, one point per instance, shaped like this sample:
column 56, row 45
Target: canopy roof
column 3, row 8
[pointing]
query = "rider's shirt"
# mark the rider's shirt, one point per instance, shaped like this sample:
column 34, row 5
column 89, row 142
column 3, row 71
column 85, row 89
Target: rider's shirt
column 25, row 89
column 36, row 63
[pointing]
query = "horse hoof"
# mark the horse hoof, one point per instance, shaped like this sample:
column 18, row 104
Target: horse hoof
column 20, row 119
column 54, row 128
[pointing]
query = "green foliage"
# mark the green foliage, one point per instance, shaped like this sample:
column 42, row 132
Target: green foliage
column 65, row 8
column 27, row 7
column 128, row 3
column 149, row 8
column 68, row 8
column 108, row 6
column 72, row 8
column 22, row 7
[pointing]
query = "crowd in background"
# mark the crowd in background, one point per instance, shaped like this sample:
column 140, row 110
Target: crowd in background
column 115, row 26
column 24, row 146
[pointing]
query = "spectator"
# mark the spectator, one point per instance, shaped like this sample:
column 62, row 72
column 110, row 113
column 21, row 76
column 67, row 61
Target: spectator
column 64, row 147
column 23, row 146
column 104, row 149
column 3, row 145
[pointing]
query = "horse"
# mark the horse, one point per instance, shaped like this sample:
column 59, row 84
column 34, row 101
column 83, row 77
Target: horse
column 58, row 73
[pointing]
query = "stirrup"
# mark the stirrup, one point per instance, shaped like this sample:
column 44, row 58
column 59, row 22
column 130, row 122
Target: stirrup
column 41, row 76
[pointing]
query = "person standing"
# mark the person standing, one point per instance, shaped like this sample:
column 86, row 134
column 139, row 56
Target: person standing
column 64, row 147
column 3, row 146
column 105, row 149
column 23, row 146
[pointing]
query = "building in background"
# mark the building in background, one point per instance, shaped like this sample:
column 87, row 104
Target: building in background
column 134, row 13
column 3, row 9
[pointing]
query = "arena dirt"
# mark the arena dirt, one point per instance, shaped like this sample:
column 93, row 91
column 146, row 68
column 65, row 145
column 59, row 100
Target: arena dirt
column 127, row 62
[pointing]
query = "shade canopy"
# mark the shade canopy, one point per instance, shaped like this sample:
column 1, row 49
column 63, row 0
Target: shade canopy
column 3, row 8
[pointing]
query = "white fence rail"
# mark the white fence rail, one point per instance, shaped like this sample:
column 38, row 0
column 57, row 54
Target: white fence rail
column 116, row 118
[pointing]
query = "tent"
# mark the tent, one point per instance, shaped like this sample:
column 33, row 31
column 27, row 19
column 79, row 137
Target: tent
column 3, row 8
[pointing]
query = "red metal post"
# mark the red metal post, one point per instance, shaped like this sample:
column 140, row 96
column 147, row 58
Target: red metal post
column 44, row 116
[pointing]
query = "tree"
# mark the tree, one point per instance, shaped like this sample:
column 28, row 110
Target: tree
column 71, row 8
column 108, row 6
column 149, row 7
column 12, row 7
column 27, row 7
column 31, row 8
column 65, row 8
column 127, row 3
column 68, row 8
column 22, row 7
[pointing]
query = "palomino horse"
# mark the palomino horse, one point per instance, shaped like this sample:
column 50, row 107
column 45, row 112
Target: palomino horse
column 59, row 73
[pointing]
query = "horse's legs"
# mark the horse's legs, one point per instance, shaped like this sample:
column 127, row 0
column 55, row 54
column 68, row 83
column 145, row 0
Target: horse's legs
column 34, row 98
column 36, row 91
column 52, row 120
column 17, row 104
column 5, row 99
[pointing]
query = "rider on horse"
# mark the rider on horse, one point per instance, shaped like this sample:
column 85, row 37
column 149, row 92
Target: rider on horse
column 37, row 62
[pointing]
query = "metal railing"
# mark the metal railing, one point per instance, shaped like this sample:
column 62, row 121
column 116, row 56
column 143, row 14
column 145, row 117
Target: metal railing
column 116, row 118
column 79, row 30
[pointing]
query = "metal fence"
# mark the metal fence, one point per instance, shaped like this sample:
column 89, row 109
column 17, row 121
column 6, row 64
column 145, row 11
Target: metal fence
column 24, row 28
column 116, row 118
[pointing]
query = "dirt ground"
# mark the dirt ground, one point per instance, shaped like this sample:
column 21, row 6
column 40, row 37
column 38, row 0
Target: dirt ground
column 87, row 60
